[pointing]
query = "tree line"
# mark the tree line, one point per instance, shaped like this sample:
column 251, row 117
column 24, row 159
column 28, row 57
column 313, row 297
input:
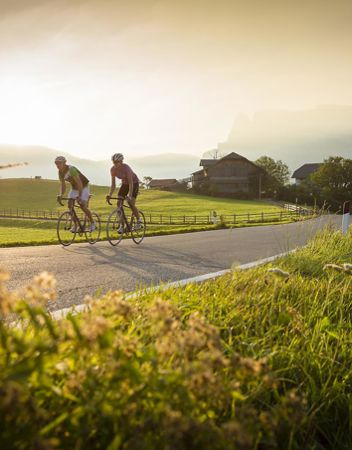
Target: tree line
column 329, row 186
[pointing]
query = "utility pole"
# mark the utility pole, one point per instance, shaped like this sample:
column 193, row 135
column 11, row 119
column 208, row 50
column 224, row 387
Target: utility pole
column 260, row 187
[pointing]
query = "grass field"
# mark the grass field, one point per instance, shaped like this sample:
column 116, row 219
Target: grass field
column 31, row 194
column 258, row 359
column 41, row 195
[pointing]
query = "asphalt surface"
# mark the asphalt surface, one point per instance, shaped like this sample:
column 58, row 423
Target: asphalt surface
column 84, row 269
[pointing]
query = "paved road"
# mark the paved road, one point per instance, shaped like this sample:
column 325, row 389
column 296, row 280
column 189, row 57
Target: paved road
column 85, row 269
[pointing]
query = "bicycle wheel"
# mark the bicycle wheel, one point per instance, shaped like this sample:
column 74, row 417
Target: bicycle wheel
column 113, row 226
column 93, row 236
column 138, row 229
column 65, row 224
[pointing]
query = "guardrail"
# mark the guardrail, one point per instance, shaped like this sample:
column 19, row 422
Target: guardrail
column 165, row 219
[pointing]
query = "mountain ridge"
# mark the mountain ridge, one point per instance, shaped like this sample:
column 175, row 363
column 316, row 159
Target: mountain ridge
column 40, row 161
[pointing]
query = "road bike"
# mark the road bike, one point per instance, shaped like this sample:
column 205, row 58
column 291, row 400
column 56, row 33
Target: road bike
column 69, row 224
column 122, row 221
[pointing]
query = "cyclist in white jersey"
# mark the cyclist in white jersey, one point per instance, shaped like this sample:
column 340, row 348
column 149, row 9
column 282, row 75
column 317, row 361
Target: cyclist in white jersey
column 79, row 190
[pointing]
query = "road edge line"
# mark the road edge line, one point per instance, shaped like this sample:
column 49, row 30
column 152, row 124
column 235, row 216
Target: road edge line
column 62, row 313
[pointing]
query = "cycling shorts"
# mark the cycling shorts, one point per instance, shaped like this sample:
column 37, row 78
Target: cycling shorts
column 123, row 191
column 85, row 194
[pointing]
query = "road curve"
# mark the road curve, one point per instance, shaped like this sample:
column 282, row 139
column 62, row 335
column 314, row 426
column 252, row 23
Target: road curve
column 83, row 269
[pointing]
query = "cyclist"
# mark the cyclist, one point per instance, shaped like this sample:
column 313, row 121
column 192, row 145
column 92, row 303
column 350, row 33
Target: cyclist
column 79, row 191
column 129, row 187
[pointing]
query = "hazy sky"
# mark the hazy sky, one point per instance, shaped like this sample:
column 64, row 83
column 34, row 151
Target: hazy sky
column 92, row 77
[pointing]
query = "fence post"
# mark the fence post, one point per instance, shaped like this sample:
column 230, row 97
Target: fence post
column 345, row 217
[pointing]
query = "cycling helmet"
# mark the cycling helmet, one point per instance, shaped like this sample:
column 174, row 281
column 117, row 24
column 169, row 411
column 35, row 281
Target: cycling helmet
column 60, row 159
column 117, row 157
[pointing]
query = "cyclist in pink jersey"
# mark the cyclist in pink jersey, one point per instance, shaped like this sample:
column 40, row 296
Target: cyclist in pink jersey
column 130, row 184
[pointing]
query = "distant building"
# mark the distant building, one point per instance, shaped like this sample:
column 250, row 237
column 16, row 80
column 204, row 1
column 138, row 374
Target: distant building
column 232, row 174
column 38, row 177
column 164, row 184
column 304, row 172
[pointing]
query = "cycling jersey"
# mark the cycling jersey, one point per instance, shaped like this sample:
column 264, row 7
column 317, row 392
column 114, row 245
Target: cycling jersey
column 69, row 175
column 123, row 172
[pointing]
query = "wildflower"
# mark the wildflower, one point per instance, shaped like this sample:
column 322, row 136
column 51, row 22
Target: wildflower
column 94, row 327
column 45, row 280
column 4, row 276
column 252, row 365
column 7, row 301
column 333, row 267
column 62, row 366
column 347, row 267
column 279, row 272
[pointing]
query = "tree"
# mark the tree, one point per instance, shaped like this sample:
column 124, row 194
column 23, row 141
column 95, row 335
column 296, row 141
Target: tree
column 276, row 174
column 146, row 181
column 334, row 180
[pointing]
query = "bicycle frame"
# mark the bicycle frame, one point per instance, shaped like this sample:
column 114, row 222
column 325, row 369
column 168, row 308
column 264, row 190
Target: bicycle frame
column 75, row 218
column 124, row 224
column 70, row 217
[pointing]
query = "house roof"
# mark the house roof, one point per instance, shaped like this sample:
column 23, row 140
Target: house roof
column 304, row 171
column 212, row 162
column 234, row 155
column 163, row 182
column 198, row 171
column 208, row 162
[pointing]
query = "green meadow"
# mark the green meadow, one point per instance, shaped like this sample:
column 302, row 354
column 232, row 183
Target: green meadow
column 40, row 195
column 257, row 359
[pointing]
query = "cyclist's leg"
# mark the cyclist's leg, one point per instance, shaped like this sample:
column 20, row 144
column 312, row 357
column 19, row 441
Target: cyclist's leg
column 71, row 201
column 84, row 204
column 121, row 195
column 132, row 201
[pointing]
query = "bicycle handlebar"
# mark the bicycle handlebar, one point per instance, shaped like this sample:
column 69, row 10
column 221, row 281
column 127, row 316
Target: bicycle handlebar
column 59, row 199
column 108, row 198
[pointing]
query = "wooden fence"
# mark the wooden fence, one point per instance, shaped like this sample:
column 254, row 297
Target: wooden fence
column 172, row 220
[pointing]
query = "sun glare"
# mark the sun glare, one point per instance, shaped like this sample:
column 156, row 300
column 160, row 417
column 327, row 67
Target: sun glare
column 26, row 115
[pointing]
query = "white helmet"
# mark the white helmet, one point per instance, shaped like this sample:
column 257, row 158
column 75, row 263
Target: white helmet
column 117, row 157
column 60, row 159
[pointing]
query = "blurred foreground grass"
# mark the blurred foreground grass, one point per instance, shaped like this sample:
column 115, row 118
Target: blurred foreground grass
column 256, row 359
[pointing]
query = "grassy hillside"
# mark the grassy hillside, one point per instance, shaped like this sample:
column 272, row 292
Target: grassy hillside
column 31, row 194
column 259, row 359
column 41, row 194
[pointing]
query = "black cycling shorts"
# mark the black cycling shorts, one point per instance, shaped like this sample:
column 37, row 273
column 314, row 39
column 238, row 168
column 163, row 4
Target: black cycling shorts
column 123, row 191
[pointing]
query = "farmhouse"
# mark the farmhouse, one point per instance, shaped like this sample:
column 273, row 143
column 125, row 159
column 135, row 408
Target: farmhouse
column 232, row 174
column 304, row 172
column 163, row 184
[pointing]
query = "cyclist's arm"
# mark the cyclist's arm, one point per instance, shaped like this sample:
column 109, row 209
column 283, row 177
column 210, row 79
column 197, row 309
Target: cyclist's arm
column 113, row 185
column 62, row 188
